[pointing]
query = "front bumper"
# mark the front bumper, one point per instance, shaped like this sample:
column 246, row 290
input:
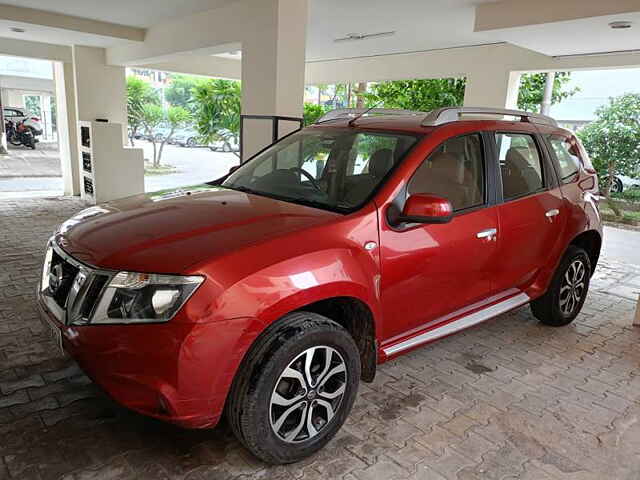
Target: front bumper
column 178, row 372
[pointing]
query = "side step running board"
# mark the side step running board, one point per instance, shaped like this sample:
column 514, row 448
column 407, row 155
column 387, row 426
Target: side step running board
column 460, row 324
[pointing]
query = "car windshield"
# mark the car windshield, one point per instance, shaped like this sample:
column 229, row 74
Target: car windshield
column 335, row 169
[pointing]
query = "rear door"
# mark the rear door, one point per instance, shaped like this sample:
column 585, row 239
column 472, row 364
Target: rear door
column 532, row 213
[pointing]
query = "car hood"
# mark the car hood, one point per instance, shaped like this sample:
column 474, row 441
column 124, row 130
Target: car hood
column 170, row 231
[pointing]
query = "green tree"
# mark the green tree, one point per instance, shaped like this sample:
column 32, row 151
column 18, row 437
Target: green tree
column 218, row 110
column 532, row 90
column 151, row 116
column 613, row 140
column 179, row 93
column 421, row 95
column 312, row 113
column 139, row 94
column 177, row 117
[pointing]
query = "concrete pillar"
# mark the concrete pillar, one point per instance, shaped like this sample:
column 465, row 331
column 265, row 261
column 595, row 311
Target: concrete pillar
column 3, row 136
column 273, row 70
column 492, row 87
column 63, row 76
column 101, row 90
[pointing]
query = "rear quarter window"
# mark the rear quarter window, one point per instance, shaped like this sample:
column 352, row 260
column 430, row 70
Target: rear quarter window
column 567, row 157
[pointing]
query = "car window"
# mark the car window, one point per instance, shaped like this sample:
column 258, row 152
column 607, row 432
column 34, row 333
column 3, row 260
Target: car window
column 454, row 171
column 568, row 162
column 331, row 168
column 520, row 165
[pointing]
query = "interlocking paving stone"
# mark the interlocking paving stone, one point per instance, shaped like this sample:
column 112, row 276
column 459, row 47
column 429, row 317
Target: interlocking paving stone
column 509, row 399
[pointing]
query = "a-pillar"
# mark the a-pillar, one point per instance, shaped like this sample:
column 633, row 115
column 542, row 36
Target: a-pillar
column 273, row 69
column 492, row 87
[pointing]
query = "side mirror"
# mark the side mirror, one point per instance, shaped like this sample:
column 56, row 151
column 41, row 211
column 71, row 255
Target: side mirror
column 233, row 169
column 426, row 208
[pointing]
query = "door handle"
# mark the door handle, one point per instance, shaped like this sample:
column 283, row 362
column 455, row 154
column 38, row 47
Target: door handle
column 552, row 213
column 489, row 234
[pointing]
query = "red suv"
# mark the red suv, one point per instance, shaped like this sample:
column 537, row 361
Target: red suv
column 270, row 293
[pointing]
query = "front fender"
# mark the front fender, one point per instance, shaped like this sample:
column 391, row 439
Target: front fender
column 255, row 302
column 289, row 285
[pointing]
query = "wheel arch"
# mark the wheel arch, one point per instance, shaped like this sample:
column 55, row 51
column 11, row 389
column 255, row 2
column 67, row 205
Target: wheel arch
column 591, row 242
column 357, row 318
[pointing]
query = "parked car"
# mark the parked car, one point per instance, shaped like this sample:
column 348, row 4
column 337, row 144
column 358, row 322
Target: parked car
column 269, row 294
column 17, row 114
column 158, row 134
column 228, row 142
column 186, row 137
column 623, row 183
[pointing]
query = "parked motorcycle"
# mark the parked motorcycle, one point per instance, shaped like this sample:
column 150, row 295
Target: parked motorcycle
column 19, row 134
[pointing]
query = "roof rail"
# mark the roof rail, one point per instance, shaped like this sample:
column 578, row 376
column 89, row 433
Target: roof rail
column 354, row 112
column 453, row 114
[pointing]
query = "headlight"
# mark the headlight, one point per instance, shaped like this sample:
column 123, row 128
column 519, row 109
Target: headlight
column 144, row 298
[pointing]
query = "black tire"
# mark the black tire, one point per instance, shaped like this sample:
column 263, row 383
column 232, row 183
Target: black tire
column 555, row 308
column 191, row 142
column 250, row 410
column 617, row 186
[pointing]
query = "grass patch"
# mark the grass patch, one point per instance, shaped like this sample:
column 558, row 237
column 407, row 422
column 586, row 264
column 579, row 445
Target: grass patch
column 149, row 169
column 628, row 217
column 631, row 195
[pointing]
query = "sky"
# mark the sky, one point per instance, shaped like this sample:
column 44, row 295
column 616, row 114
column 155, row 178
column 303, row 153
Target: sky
column 596, row 87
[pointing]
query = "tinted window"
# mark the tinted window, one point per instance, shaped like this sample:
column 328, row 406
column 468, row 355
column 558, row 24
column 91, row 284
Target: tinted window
column 454, row 171
column 566, row 159
column 519, row 164
column 332, row 168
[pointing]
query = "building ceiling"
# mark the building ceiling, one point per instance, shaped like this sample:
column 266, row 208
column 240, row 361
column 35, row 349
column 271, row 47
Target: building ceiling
column 418, row 25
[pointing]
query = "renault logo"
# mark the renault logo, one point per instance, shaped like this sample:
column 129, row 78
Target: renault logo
column 56, row 277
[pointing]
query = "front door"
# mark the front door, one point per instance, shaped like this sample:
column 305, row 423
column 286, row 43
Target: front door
column 430, row 271
column 532, row 215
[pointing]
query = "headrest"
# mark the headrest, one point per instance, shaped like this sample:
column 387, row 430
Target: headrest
column 381, row 162
column 444, row 164
column 516, row 158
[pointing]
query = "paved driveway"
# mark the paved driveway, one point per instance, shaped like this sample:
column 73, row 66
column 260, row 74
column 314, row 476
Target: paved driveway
column 508, row 399
column 38, row 172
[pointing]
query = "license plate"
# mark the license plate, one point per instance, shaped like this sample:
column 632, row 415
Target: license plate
column 55, row 333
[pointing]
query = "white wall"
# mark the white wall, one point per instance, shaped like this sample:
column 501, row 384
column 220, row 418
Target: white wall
column 100, row 88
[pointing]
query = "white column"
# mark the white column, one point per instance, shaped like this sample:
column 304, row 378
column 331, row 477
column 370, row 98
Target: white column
column 491, row 87
column 67, row 126
column 101, row 90
column 273, row 69
column 3, row 137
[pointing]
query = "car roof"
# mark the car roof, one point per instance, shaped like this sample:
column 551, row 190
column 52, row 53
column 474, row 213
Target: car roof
column 412, row 123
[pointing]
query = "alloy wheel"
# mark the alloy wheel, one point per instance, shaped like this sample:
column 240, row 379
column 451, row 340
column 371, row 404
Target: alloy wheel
column 308, row 394
column 573, row 287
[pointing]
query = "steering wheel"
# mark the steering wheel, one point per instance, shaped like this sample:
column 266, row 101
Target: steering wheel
column 308, row 176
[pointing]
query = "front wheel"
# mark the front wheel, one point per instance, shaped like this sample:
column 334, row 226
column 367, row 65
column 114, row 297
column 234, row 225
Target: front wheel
column 295, row 389
column 566, row 295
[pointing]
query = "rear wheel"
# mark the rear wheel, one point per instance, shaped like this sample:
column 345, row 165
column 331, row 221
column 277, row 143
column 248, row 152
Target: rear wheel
column 295, row 389
column 191, row 142
column 566, row 295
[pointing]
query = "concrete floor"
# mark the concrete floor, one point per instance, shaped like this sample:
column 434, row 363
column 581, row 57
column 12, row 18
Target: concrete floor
column 622, row 245
column 510, row 399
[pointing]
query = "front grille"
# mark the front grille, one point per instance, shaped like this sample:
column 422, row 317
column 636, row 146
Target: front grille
column 74, row 289
column 60, row 289
column 92, row 294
